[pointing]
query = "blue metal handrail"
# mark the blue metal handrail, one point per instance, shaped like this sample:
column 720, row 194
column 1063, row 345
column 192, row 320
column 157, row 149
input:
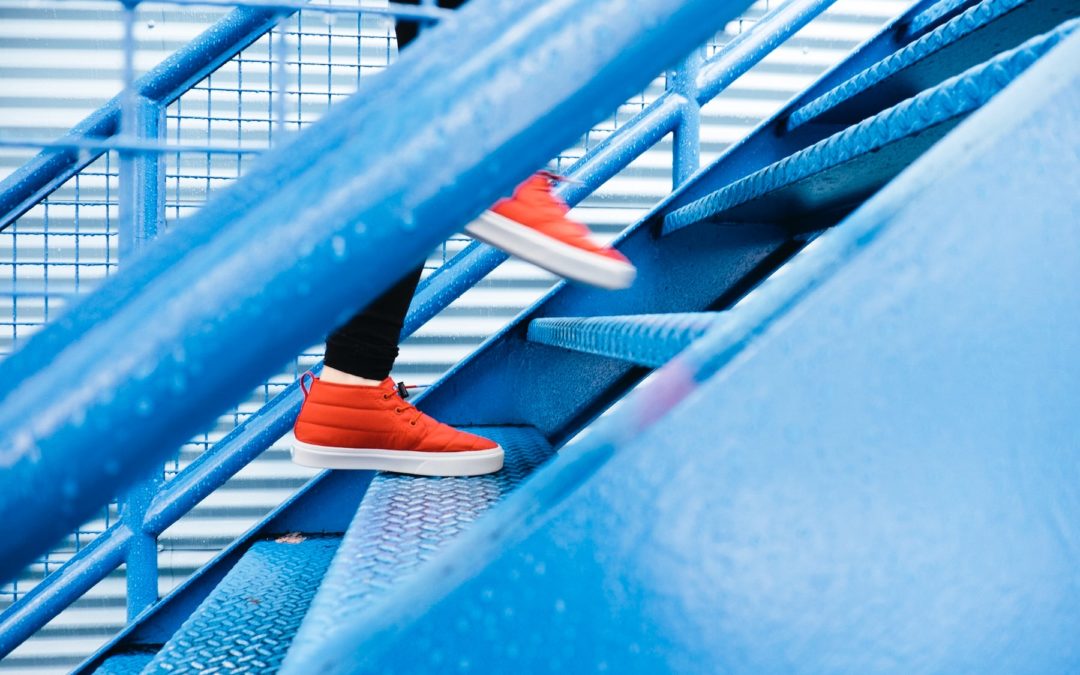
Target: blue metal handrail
column 249, row 439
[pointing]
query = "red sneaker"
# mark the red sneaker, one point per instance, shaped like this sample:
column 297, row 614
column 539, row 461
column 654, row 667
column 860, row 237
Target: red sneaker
column 350, row 427
column 533, row 226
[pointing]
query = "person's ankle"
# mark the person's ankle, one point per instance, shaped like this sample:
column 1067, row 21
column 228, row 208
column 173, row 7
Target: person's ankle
column 334, row 376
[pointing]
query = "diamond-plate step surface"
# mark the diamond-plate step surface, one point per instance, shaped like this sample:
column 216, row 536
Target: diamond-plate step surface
column 966, row 40
column 402, row 522
column 245, row 625
column 649, row 340
column 845, row 168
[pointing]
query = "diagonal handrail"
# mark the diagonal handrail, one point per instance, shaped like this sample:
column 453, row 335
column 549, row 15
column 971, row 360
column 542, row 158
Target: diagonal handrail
column 258, row 432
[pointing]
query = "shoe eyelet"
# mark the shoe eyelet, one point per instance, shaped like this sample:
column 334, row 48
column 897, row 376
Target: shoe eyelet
column 386, row 397
column 412, row 424
column 399, row 410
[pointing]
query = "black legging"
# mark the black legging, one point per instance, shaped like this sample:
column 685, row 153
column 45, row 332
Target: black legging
column 367, row 345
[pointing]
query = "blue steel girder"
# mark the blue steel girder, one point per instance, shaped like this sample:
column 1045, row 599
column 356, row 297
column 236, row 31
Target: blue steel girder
column 870, row 467
column 257, row 274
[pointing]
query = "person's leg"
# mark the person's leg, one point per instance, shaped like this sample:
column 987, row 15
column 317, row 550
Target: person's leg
column 363, row 351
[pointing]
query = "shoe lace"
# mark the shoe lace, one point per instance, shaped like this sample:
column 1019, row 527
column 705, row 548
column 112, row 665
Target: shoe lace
column 559, row 178
column 401, row 391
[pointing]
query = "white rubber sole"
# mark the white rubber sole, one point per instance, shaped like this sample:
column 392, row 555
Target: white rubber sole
column 466, row 463
column 553, row 255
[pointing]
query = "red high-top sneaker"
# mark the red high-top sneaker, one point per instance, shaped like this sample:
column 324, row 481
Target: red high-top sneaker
column 533, row 226
column 351, row 427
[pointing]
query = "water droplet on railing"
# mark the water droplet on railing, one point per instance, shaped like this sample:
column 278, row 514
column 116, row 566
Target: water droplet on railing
column 338, row 244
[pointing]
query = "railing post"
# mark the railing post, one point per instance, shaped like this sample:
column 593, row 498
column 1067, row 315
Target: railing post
column 142, row 179
column 687, row 136
column 141, row 559
column 142, row 211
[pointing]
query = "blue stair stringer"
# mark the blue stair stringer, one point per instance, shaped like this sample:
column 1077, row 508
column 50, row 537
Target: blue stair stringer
column 868, row 466
column 649, row 340
column 402, row 523
column 943, row 52
column 246, row 623
column 808, row 180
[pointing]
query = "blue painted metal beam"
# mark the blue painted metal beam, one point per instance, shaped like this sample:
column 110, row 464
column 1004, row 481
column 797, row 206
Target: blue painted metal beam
column 847, row 476
column 850, row 165
column 649, row 340
column 158, row 359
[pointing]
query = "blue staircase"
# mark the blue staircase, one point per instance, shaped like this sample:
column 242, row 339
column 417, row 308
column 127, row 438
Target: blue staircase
column 830, row 429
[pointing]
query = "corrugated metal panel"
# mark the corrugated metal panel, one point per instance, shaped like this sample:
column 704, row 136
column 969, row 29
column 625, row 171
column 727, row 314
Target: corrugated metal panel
column 59, row 61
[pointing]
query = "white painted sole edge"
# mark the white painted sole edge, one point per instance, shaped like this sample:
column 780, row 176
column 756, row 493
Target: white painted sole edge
column 465, row 463
column 551, row 254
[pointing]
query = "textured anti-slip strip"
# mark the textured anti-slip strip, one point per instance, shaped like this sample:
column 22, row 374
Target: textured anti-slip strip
column 247, row 622
column 402, row 522
column 646, row 339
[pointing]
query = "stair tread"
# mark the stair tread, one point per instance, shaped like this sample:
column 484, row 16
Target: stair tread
column 850, row 165
column 649, row 340
column 979, row 33
column 401, row 523
column 935, row 13
column 247, row 621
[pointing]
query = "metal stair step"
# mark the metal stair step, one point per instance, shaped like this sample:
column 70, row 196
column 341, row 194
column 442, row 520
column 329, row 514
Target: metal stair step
column 403, row 522
column 838, row 172
column 968, row 39
column 246, row 623
column 649, row 340
column 936, row 14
